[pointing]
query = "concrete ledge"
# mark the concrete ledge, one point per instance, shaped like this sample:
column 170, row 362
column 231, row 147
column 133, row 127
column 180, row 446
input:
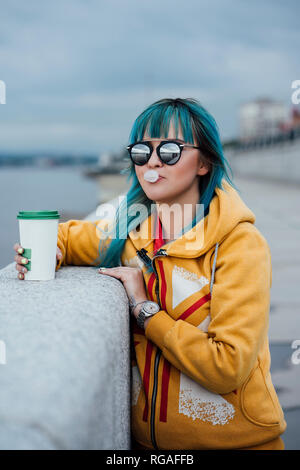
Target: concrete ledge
column 66, row 381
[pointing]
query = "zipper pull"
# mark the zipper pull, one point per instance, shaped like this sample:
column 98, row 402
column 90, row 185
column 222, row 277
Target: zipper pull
column 142, row 254
column 161, row 252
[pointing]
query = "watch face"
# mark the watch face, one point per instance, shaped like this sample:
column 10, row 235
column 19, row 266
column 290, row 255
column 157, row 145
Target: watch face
column 151, row 308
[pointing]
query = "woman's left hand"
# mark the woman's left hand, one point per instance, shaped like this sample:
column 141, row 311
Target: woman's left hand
column 133, row 282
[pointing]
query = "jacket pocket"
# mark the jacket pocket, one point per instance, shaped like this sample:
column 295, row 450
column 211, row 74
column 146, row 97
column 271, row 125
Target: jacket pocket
column 256, row 400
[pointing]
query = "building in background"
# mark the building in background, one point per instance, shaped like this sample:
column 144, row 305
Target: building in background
column 261, row 118
column 268, row 146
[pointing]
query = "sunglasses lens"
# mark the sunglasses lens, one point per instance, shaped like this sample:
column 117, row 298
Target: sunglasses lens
column 170, row 153
column 140, row 154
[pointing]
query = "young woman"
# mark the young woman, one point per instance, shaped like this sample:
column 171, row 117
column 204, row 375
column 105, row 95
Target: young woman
column 197, row 273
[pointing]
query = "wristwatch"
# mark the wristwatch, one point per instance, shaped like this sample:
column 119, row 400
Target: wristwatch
column 148, row 309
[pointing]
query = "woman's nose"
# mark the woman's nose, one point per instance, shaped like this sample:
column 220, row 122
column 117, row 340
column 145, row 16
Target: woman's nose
column 154, row 160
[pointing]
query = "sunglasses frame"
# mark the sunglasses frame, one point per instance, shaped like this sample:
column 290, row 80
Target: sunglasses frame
column 148, row 143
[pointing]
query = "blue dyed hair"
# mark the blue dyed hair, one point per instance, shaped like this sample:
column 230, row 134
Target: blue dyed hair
column 192, row 117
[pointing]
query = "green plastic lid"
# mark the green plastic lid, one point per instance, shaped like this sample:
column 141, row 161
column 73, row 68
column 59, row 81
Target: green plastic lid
column 38, row 215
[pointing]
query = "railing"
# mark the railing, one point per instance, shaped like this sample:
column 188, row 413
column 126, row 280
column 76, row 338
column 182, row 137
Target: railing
column 66, row 380
column 282, row 138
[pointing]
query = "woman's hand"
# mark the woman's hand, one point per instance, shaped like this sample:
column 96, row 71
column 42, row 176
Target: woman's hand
column 21, row 261
column 133, row 282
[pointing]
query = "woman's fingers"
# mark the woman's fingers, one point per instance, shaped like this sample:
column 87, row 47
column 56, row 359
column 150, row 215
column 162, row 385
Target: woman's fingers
column 111, row 272
column 21, row 268
column 18, row 248
column 21, row 261
column 58, row 253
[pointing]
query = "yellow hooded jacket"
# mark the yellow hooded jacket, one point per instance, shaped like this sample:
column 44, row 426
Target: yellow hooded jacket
column 201, row 370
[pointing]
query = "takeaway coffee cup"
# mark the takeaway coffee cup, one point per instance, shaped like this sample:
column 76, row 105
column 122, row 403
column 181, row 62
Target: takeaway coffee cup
column 38, row 237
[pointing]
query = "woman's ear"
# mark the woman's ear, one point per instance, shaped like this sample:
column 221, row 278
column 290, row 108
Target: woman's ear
column 202, row 169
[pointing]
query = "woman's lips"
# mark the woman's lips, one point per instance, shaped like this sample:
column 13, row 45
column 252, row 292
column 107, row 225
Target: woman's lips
column 159, row 179
column 152, row 176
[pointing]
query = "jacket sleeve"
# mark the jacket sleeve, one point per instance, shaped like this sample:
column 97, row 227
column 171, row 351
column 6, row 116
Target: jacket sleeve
column 79, row 241
column 221, row 359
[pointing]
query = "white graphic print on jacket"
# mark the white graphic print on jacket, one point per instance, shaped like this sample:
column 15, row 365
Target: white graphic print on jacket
column 185, row 283
column 197, row 402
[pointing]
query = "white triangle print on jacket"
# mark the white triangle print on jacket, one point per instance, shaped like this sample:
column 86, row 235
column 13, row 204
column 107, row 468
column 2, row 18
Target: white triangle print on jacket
column 185, row 283
column 205, row 324
column 197, row 402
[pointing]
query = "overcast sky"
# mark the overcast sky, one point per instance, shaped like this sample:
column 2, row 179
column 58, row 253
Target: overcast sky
column 78, row 72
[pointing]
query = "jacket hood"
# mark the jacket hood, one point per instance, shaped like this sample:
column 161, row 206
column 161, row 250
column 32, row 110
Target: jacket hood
column 226, row 211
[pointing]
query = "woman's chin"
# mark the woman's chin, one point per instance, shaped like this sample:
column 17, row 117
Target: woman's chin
column 158, row 196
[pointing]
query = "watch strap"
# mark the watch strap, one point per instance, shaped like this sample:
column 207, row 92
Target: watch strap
column 140, row 319
column 133, row 305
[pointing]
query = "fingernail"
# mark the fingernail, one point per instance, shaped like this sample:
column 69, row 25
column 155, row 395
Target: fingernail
column 102, row 269
column 24, row 260
column 24, row 270
column 20, row 276
column 20, row 250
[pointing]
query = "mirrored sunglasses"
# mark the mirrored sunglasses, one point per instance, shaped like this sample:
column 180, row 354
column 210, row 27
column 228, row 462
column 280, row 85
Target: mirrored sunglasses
column 168, row 151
